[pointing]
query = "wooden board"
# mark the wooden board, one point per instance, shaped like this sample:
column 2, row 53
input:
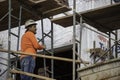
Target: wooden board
column 105, row 19
column 43, row 56
column 34, row 10
column 30, row 74
column 65, row 21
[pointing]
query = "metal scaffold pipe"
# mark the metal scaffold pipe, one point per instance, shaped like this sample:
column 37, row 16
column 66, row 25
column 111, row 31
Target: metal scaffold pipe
column 9, row 35
column 74, row 31
column 52, row 50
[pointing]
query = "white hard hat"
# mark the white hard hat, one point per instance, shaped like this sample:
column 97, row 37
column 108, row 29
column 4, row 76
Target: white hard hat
column 29, row 22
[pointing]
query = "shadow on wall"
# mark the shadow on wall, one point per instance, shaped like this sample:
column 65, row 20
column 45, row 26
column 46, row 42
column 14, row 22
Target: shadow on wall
column 116, row 1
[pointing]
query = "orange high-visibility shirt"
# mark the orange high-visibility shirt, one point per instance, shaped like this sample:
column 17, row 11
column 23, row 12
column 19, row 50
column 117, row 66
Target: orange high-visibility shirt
column 29, row 43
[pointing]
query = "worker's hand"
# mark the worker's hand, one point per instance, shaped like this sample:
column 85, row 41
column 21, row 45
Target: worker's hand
column 43, row 46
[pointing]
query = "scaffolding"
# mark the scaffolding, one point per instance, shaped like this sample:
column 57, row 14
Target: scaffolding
column 103, row 19
column 33, row 10
column 30, row 9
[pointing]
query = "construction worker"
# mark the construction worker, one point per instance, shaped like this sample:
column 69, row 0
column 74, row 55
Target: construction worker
column 29, row 44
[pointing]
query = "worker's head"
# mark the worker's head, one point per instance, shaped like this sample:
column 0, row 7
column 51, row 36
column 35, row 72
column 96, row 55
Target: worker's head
column 30, row 25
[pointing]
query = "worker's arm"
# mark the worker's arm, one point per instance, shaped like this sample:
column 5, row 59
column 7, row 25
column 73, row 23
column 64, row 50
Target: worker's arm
column 34, row 42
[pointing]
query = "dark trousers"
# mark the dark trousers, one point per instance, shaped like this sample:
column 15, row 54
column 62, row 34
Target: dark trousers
column 27, row 65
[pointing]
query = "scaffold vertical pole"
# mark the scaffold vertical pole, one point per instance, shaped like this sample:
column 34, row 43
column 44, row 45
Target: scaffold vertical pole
column 52, row 50
column 44, row 60
column 20, row 16
column 116, row 38
column 74, row 36
column 80, row 38
column 9, row 36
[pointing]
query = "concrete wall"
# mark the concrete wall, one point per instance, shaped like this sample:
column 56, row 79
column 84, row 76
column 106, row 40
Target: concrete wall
column 103, row 71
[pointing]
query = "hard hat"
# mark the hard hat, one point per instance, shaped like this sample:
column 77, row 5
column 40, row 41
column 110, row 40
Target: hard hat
column 29, row 22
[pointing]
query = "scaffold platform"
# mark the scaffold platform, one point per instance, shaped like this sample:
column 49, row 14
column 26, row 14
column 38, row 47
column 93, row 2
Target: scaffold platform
column 105, row 19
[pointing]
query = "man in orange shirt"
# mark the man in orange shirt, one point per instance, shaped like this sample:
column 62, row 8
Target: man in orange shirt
column 29, row 44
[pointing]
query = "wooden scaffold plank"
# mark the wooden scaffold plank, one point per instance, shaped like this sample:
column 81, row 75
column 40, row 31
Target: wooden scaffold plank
column 30, row 74
column 43, row 56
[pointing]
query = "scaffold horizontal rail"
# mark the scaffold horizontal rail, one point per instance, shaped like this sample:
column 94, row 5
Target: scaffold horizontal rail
column 43, row 56
column 30, row 74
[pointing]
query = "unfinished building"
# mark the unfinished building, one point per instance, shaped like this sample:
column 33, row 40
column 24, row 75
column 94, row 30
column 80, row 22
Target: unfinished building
column 68, row 61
